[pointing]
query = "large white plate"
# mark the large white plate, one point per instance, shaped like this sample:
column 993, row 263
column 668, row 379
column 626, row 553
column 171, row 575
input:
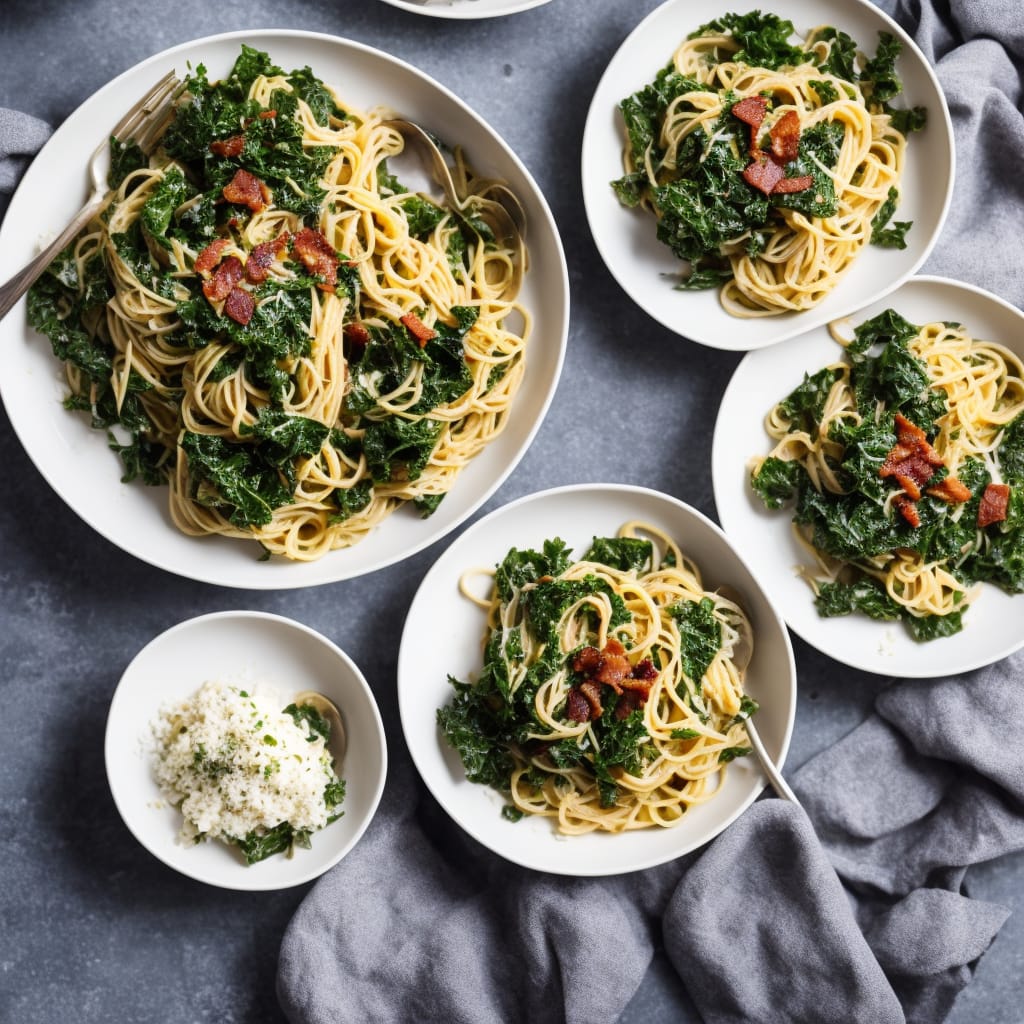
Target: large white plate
column 75, row 460
column 466, row 8
column 263, row 653
column 993, row 624
column 443, row 634
column 647, row 270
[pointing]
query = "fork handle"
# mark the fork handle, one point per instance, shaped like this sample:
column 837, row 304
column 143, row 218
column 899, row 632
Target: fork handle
column 25, row 278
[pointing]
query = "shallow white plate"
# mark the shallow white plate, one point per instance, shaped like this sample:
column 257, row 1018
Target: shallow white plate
column 993, row 624
column 466, row 8
column 261, row 652
column 443, row 634
column 75, row 460
column 647, row 270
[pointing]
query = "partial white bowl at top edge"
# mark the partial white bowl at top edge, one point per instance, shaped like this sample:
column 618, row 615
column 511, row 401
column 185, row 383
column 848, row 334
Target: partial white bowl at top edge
column 75, row 459
column 647, row 270
column 443, row 634
column 993, row 623
column 466, row 9
column 264, row 653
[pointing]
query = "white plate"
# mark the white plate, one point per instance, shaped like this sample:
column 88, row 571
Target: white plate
column 466, row 8
column 443, row 633
column 75, row 460
column 993, row 624
column 258, row 651
column 626, row 238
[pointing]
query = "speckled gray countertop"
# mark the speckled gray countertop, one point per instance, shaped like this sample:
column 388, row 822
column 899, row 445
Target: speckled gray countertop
column 92, row 927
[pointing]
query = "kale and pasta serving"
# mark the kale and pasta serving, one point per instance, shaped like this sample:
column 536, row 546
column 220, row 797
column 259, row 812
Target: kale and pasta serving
column 610, row 697
column 769, row 159
column 903, row 465
column 268, row 322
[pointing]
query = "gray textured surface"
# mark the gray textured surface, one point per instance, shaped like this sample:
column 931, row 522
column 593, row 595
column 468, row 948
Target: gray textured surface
column 91, row 926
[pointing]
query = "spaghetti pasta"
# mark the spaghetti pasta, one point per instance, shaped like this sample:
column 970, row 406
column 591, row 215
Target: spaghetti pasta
column 611, row 695
column 769, row 164
column 293, row 342
column 895, row 458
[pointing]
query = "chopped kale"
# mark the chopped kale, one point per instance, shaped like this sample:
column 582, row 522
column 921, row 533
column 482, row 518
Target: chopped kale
column 893, row 236
column 763, row 39
column 700, row 634
column 776, row 481
column 622, row 553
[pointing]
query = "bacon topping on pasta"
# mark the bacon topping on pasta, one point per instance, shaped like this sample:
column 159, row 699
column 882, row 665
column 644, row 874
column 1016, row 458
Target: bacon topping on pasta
column 995, row 501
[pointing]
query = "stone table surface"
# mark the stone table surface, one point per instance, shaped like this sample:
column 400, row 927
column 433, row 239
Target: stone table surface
column 92, row 927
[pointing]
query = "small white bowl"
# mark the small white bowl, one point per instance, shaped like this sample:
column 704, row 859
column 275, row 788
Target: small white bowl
column 258, row 650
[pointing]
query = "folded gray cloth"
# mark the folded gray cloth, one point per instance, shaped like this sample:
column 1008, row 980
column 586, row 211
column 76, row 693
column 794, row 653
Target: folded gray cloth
column 977, row 50
column 21, row 137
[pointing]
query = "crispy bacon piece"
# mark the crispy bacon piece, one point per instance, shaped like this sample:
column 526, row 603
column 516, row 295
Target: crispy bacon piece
column 785, row 136
column 317, row 255
column 231, row 146
column 787, row 186
column 912, row 473
column 240, row 306
column 763, row 174
column 262, row 256
column 266, row 115
column 751, row 111
column 357, row 334
column 950, row 489
column 907, row 508
column 614, row 666
column 577, row 706
column 210, row 256
column 627, row 704
column 995, row 500
column 225, row 277
column 418, row 329
column 911, row 436
column 591, row 691
column 912, row 461
column 247, row 190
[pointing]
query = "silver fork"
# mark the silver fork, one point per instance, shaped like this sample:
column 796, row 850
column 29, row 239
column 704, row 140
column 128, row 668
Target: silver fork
column 143, row 124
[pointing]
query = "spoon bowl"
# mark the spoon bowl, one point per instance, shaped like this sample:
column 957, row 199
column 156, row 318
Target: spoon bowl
column 337, row 741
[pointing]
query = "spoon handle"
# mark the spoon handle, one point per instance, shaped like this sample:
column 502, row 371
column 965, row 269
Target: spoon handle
column 779, row 784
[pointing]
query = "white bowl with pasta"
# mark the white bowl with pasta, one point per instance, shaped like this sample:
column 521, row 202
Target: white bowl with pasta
column 766, row 301
column 785, row 565
column 443, row 636
column 144, row 521
column 274, row 659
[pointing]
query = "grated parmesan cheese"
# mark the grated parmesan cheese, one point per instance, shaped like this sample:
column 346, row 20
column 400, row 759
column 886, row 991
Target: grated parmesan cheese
column 237, row 765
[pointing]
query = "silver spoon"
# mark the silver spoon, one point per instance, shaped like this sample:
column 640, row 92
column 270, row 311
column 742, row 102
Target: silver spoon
column 337, row 743
column 741, row 655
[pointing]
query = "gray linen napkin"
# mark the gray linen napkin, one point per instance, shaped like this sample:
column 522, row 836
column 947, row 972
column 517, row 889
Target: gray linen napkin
column 21, row 137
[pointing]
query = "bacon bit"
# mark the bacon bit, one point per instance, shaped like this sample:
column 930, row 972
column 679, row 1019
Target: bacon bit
column 317, row 255
column 592, row 692
column 587, row 660
column 240, row 306
column 578, row 707
column 357, row 334
column 763, row 174
column 908, row 435
column 912, row 474
column 645, row 670
column 266, row 115
column 614, row 667
column 247, row 190
column 950, row 489
column 785, row 136
column 225, row 277
column 790, row 185
column 210, row 256
column 418, row 329
column 751, row 110
column 906, row 508
column 995, row 501
column 262, row 257
column 228, row 147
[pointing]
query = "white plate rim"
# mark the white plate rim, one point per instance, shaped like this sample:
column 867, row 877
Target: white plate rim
column 464, row 11
column 880, row 648
column 623, row 244
column 425, row 745
column 223, row 561
column 267, row 875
